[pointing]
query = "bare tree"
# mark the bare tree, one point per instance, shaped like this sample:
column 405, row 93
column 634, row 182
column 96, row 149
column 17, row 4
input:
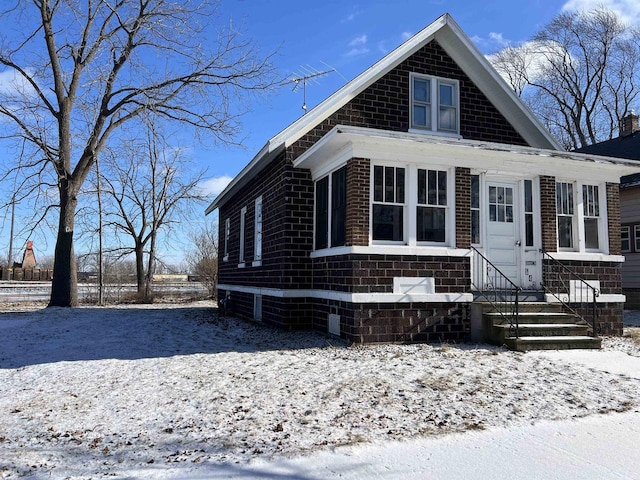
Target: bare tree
column 203, row 259
column 579, row 74
column 149, row 187
column 84, row 69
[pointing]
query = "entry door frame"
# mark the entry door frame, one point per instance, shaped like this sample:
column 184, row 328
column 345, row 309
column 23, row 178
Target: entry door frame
column 529, row 258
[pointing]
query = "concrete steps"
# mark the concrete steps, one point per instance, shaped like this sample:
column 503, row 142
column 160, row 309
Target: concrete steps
column 541, row 326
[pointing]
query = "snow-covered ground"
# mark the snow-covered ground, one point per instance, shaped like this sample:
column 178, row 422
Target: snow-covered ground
column 170, row 391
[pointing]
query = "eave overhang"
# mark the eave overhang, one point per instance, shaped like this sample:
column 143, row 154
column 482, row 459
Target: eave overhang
column 345, row 142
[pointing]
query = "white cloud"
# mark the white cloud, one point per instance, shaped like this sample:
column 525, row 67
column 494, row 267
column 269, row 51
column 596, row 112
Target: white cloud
column 358, row 46
column 13, row 84
column 629, row 10
column 494, row 41
column 215, row 185
column 406, row 36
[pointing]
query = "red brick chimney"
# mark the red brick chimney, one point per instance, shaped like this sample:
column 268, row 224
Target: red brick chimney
column 629, row 124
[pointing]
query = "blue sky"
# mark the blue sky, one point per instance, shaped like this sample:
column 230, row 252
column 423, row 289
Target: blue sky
column 347, row 36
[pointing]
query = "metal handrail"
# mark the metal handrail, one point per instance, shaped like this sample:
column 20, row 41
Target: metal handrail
column 498, row 289
column 557, row 282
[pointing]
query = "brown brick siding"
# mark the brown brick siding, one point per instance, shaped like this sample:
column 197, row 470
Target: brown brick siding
column 385, row 104
column 358, row 198
column 287, row 229
column 375, row 273
column 463, row 207
column 613, row 218
column 608, row 273
column 409, row 322
column 548, row 213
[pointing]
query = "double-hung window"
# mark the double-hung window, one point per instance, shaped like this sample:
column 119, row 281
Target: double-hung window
column 257, row 241
column 411, row 205
column 227, row 233
column 434, row 104
column 565, row 214
column 243, row 218
column 581, row 216
column 388, row 203
column 431, row 208
column 625, row 239
column 331, row 210
column 475, row 209
column 591, row 210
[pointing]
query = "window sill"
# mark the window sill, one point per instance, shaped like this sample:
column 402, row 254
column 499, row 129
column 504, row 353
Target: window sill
column 257, row 263
column 435, row 133
column 439, row 251
column 241, row 265
column 587, row 256
column 225, row 258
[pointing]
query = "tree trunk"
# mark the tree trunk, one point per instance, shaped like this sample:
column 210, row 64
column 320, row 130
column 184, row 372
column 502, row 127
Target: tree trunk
column 140, row 270
column 64, row 287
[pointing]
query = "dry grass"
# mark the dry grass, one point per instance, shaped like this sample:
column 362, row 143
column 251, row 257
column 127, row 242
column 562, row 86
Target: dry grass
column 633, row 334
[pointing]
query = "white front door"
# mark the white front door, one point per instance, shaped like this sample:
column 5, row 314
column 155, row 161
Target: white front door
column 503, row 247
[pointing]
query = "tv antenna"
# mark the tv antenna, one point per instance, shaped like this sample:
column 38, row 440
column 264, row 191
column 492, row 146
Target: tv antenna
column 302, row 77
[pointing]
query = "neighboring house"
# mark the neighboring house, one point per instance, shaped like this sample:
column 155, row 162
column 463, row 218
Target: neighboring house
column 627, row 145
column 360, row 218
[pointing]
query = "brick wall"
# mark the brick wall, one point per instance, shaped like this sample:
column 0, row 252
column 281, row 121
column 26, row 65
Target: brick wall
column 613, row 218
column 286, row 313
column 548, row 213
column 375, row 273
column 608, row 273
column 358, row 195
column 385, row 104
column 410, row 322
column 463, row 208
column 287, row 233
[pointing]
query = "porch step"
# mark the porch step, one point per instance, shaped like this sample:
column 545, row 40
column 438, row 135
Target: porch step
column 535, row 317
column 541, row 326
column 543, row 330
column 568, row 342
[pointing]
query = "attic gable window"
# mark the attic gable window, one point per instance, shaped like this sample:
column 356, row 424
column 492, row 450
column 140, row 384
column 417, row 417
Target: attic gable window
column 434, row 104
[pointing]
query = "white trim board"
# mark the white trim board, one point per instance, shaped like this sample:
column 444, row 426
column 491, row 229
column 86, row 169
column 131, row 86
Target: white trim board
column 351, row 297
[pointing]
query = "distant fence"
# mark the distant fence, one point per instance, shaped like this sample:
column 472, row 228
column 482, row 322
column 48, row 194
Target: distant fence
column 26, row 274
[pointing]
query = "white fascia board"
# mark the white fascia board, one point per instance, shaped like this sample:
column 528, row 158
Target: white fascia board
column 264, row 156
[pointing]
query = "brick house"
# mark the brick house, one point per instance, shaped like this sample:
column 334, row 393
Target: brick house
column 627, row 145
column 365, row 218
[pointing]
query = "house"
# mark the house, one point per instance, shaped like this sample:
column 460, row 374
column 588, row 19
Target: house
column 421, row 186
column 627, row 145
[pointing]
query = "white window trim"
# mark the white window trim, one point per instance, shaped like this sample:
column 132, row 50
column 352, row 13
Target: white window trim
column 227, row 233
column 578, row 218
column 636, row 237
column 410, row 233
column 257, row 242
column 243, row 218
column 435, row 105
column 626, row 228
